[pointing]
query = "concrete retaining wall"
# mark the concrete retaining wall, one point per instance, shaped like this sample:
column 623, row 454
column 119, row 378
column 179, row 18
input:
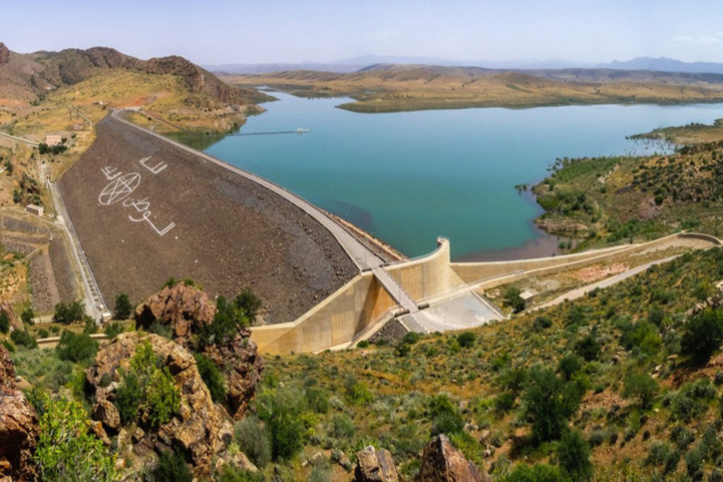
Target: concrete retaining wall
column 335, row 321
column 428, row 277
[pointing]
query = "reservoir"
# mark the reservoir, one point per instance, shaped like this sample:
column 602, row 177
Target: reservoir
column 410, row 177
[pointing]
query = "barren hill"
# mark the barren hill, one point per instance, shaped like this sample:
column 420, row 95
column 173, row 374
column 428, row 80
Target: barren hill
column 392, row 87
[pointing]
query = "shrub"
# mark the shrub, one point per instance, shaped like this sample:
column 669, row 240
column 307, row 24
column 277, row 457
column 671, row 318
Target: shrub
column 113, row 330
column 569, row 365
column 504, row 402
column 249, row 302
column 212, row 377
column 702, row 335
column 445, row 415
column 91, row 326
column 76, row 347
column 573, row 453
column 43, row 333
column 513, row 300
column 658, row 453
column 317, row 399
column 356, row 392
column 642, row 387
column 67, row 314
column 230, row 317
column 148, row 393
column 23, row 338
column 66, row 449
column 4, row 322
column 123, row 307
column 541, row 323
column 411, row 338
column 588, row 348
column 342, row 427
column 363, row 344
column 466, row 339
column 281, row 409
column 549, row 401
column 229, row 473
column 254, row 441
column 171, row 466
column 28, row 316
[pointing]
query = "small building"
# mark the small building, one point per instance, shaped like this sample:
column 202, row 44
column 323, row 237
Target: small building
column 35, row 209
column 528, row 296
column 53, row 140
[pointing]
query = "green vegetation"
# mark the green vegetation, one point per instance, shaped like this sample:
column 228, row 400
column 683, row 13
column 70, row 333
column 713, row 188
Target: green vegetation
column 66, row 450
column 171, row 467
column 148, row 395
column 123, row 307
column 67, row 314
column 212, row 377
column 76, row 347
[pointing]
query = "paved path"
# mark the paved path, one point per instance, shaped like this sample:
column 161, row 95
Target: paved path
column 20, row 139
column 582, row 291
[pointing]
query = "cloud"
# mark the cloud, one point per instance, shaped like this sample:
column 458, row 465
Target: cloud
column 699, row 39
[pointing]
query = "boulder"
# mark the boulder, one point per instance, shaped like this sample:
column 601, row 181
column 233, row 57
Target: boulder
column 105, row 412
column 244, row 367
column 201, row 429
column 375, row 466
column 184, row 308
column 18, row 426
column 441, row 462
column 15, row 322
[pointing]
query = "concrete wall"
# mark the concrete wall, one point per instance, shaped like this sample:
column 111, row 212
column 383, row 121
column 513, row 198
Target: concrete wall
column 335, row 321
column 428, row 277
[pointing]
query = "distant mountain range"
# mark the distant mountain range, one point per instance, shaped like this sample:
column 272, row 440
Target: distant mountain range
column 354, row 64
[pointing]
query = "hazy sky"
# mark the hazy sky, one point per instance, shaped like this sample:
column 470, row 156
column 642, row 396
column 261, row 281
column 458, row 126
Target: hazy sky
column 262, row 31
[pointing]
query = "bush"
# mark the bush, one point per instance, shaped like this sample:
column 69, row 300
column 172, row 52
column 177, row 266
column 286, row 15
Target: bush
column 66, row 449
column 588, row 348
column 230, row 317
column 573, row 454
column 171, row 467
column 230, row 473
column 123, row 307
column 513, row 300
column 317, row 399
column 23, row 338
column 91, row 327
column 28, row 316
column 4, row 322
column 212, row 377
column 466, row 339
column 148, row 393
column 549, row 401
column 342, row 427
column 282, row 409
column 254, row 440
column 702, row 335
column 76, row 347
column 569, row 365
column 445, row 415
column 67, row 314
column 249, row 302
column 113, row 330
column 541, row 323
column 642, row 387
column 411, row 338
column 356, row 392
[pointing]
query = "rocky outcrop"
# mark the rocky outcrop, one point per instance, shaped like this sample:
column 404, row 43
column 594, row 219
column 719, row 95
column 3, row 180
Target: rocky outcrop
column 200, row 429
column 187, row 310
column 184, row 308
column 15, row 322
column 243, row 370
column 441, row 462
column 375, row 466
column 18, row 426
column 4, row 54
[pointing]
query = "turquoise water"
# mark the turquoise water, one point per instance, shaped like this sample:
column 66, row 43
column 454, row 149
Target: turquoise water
column 410, row 177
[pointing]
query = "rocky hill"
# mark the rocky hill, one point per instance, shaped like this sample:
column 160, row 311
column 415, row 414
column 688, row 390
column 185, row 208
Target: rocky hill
column 29, row 75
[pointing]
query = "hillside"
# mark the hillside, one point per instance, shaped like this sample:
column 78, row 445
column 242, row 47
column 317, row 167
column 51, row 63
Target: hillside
column 389, row 87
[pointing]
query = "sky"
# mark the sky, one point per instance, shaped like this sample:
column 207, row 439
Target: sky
column 212, row 32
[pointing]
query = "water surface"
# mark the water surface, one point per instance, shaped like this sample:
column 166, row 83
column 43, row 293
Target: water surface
column 412, row 176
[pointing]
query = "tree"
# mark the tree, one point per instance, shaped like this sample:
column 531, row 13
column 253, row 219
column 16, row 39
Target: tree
column 281, row 409
column 123, row 307
column 573, row 453
column 67, row 314
column 76, row 347
column 702, row 335
column 513, row 300
column 549, row 401
column 27, row 315
column 67, row 450
column 642, row 387
column 230, row 318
